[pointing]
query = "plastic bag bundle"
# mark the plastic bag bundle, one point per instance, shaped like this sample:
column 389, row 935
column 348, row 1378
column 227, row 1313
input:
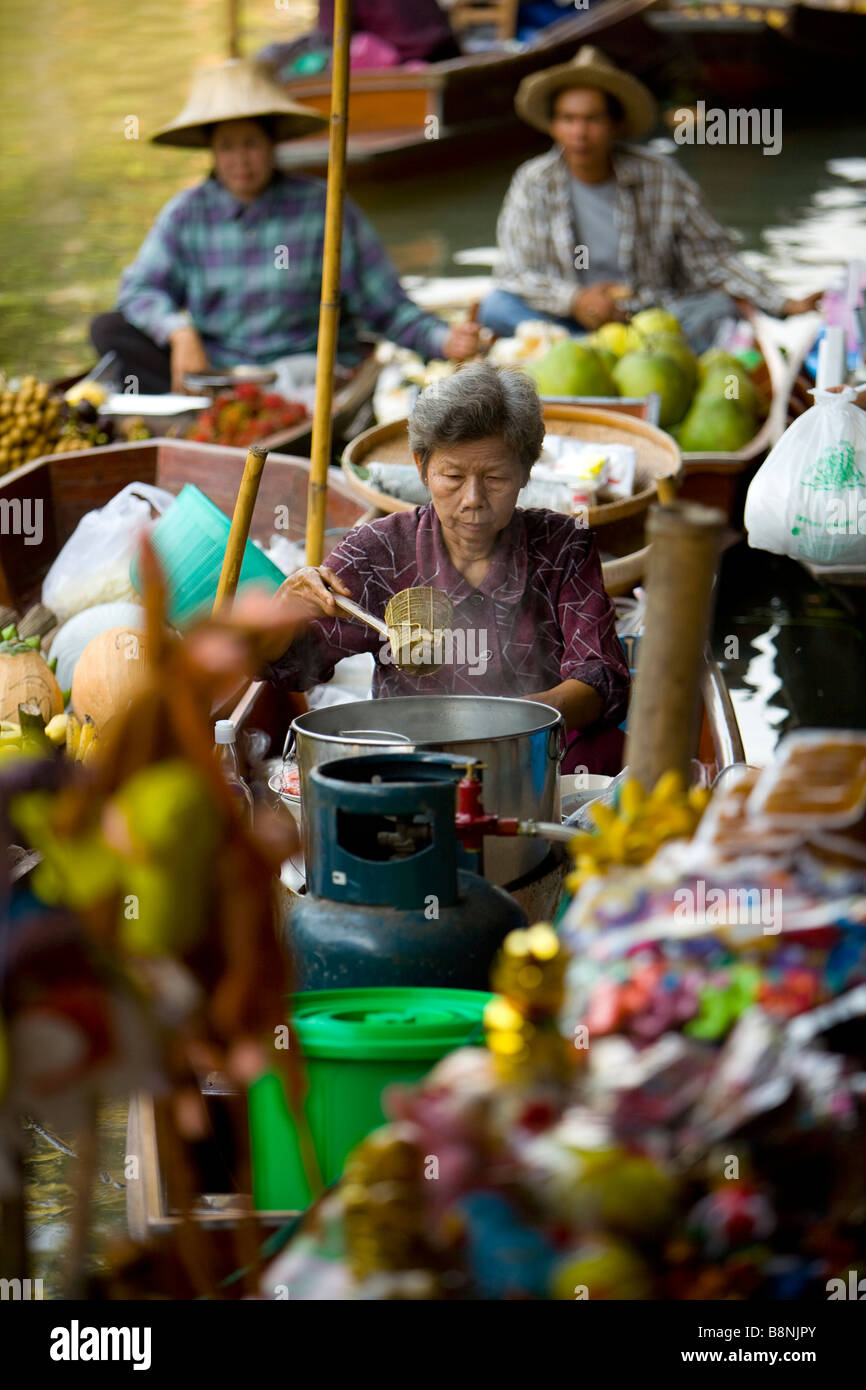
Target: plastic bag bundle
column 93, row 566
column 808, row 499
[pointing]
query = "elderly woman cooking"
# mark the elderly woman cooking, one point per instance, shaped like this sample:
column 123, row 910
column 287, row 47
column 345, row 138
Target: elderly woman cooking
column 526, row 585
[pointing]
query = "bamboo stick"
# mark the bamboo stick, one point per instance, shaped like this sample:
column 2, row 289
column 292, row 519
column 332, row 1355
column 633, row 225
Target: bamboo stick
column 234, row 28
column 240, row 529
column 665, row 707
column 329, row 309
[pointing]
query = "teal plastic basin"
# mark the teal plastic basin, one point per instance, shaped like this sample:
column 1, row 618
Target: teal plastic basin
column 190, row 541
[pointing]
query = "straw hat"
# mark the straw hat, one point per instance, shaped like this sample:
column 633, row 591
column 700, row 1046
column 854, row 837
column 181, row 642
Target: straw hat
column 588, row 68
column 233, row 91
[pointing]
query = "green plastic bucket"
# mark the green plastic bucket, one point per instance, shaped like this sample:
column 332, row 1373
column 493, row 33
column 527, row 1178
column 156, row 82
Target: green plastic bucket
column 190, row 541
column 355, row 1043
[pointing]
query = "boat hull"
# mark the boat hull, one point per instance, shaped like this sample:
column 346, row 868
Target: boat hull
column 56, row 491
column 408, row 121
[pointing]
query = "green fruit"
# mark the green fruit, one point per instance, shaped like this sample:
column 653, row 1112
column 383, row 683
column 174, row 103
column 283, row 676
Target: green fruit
column 715, row 357
column 606, row 356
column 715, row 425
column 614, row 337
column 651, row 321
column 676, row 346
column 729, row 384
column 571, row 369
column 638, row 373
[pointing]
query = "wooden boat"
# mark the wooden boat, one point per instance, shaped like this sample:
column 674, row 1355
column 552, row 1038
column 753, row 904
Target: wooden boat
column 153, row 1207
column 739, row 50
column 406, row 120
column 352, row 410
column 56, row 491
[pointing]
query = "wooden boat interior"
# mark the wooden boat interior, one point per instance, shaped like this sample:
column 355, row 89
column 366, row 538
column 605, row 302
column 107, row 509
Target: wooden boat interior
column 59, row 489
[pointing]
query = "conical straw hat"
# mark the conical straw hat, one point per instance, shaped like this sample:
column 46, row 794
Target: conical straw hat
column 588, row 68
column 236, row 90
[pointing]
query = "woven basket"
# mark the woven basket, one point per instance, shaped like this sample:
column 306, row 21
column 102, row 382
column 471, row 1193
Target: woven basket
column 657, row 456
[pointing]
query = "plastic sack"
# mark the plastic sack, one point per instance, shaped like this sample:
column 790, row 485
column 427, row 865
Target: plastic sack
column 93, row 566
column 808, row 499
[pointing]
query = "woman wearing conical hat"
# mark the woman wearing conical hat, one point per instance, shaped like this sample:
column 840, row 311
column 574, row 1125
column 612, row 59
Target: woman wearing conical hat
column 231, row 270
column 597, row 229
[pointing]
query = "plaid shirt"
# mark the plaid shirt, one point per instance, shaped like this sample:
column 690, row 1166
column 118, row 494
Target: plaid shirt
column 540, row 615
column 249, row 276
column 669, row 244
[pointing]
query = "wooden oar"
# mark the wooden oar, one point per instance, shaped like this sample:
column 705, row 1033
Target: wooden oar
column 240, row 528
column 329, row 308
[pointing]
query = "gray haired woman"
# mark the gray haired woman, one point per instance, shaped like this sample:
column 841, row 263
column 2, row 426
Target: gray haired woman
column 530, row 610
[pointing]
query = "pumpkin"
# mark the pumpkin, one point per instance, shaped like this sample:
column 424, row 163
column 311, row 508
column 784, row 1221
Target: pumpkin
column 110, row 672
column 25, row 675
column 70, row 640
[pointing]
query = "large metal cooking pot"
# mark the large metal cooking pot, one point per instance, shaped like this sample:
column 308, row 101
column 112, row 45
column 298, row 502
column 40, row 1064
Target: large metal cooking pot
column 520, row 742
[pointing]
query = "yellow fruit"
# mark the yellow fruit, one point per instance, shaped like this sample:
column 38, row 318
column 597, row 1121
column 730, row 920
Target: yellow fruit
column 73, row 735
column 603, row 815
column 87, row 391
column 87, row 741
column 631, row 797
column 667, row 788
column 55, row 730
column 615, row 337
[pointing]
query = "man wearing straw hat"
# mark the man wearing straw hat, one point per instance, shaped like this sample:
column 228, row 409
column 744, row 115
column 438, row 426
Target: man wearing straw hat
column 597, row 229
column 231, row 270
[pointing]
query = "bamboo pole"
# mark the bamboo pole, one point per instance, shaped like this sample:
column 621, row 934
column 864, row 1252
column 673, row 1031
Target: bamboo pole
column 329, row 309
column 240, row 529
column 234, row 29
column 663, row 720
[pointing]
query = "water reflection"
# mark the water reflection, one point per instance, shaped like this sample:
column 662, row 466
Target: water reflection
column 52, row 1177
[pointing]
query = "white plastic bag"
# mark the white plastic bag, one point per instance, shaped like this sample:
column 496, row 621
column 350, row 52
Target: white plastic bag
column 808, row 499
column 93, row 566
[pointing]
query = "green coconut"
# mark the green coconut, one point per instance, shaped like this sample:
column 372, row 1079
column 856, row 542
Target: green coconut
column 571, row 369
column 676, row 346
column 639, row 373
column 722, row 382
column 715, row 425
column 651, row 321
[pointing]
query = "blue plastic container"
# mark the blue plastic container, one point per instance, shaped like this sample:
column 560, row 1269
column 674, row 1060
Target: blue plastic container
column 190, row 542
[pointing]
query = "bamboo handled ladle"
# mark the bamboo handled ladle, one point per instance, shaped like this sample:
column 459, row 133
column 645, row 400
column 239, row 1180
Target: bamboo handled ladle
column 414, row 618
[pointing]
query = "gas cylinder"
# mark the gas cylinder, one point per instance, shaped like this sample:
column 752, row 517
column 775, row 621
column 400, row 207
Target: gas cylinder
column 386, row 901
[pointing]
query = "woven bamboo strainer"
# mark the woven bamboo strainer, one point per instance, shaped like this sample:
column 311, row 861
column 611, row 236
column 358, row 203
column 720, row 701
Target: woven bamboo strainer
column 415, row 620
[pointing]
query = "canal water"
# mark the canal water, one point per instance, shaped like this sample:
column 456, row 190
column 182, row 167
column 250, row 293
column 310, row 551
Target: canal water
column 85, row 83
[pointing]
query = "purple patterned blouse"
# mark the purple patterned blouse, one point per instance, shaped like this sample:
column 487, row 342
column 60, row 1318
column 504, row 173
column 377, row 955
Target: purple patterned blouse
column 540, row 615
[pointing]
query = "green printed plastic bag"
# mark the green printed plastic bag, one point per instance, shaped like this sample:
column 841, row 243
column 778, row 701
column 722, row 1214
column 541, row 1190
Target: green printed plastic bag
column 808, row 500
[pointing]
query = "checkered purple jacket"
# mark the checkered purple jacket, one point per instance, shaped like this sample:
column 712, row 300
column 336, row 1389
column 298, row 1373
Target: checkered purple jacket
column 249, row 277
column 541, row 613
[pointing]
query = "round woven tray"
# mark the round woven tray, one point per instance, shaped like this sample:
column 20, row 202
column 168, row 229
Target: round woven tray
column 657, row 456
